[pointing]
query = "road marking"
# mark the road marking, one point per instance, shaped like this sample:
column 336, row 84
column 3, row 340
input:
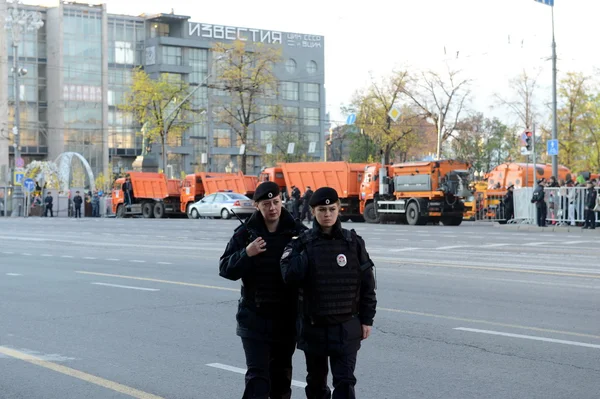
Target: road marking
column 66, row 256
column 25, row 254
column 13, row 274
column 89, row 257
column 138, row 261
column 531, row 337
column 536, row 244
column 494, row 245
column 238, row 370
column 452, row 247
column 8, row 253
column 490, row 323
column 574, row 242
column 404, row 249
column 80, row 375
column 164, row 263
column 113, row 259
column 160, row 281
column 127, row 286
column 497, row 269
column 47, row 255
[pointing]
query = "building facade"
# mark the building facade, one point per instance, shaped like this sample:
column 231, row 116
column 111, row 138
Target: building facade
column 80, row 65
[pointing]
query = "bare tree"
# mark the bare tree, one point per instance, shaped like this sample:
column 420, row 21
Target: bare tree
column 522, row 103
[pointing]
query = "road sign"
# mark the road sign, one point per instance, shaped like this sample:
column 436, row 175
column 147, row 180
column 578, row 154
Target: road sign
column 18, row 178
column 242, row 149
column 524, row 137
column 312, row 147
column 552, row 147
column 351, row 119
column 525, row 151
column 19, row 162
column 29, row 185
column 394, row 113
column 290, row 149
column 547, row 2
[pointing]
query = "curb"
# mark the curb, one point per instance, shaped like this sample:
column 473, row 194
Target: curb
column 549, row 228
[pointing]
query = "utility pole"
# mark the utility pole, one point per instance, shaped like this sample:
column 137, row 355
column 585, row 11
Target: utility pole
column 554, row 101
column 534, row 157
column 19, row 21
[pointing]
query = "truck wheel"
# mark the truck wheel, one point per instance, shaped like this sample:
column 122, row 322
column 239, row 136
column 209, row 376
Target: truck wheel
column 225, row 214
column 159, row 210
column 370, row 213
column 412, row 215
column 453, row 221
column 148, row 210
column 120, row 211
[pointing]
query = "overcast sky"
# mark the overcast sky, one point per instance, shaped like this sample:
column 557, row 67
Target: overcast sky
column 377, row 36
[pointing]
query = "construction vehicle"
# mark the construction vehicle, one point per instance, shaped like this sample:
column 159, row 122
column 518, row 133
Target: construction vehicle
column 153, row 196
column 522, row 175
column 344, row 177
column 416, row 193
column 474, row 202
column 197, row 186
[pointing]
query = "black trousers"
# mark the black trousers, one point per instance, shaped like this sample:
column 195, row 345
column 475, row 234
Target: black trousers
column 306, row 213
column 590, row 219
column 48, row 209
column 77, row 211
column 296, row 209
column 269, row 374
column 542, row 211
column 342, row 370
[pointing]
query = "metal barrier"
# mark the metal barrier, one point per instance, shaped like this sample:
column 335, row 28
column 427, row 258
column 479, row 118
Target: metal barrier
column 525, row 212
column 491, row 208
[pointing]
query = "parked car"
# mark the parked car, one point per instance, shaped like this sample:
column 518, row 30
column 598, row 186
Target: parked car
column 221, row 205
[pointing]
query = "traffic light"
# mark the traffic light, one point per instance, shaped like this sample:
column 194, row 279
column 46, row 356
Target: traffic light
column 528, row 143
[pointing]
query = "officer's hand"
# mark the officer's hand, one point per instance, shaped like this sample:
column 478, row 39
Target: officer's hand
column 366, row 331
column 256, row 247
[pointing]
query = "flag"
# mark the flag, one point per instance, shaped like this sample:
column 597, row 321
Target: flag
column 547, row 2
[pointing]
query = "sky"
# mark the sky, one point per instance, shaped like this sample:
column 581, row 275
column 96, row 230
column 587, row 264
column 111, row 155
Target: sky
column 495, row 40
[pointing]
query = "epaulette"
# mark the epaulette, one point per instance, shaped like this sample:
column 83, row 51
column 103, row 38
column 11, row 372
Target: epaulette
column 307, row 236
column 349, row 235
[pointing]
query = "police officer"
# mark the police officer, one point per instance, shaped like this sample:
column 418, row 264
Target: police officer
column 306, row 204
column 267, row 309
column 337, row 300
column 509, row 208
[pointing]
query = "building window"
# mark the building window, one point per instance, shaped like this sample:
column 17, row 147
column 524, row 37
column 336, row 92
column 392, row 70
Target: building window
column 311, row 116
column 289, row 91
column 291, row 115
column 157, row 30
column 311, row 67
column 172, row 55
column 311, row 92
column 311, row 137
column 198, row 60
column 221, row 138
column 267, row 136
column 290, row 65
column 124, row 53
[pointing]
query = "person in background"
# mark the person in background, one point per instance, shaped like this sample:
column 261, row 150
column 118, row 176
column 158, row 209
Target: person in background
column 77, row 201
column 509, row 207
column 540, row 203
column 296, row 202
column 305, row 205
column 48, row 201
column 591, row 197
column 95, row 205
column 337, row 302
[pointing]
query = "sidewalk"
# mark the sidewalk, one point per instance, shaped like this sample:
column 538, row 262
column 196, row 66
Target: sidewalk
column 549, row 228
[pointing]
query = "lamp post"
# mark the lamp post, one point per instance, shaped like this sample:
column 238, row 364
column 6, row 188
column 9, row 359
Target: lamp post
column 19, row 21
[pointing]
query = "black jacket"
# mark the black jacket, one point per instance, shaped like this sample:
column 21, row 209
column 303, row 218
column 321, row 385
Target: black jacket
column 590, row 198
column 275, row 323
column 48, row 200
column 345, row 336
column 77, row 200
column 538, row 196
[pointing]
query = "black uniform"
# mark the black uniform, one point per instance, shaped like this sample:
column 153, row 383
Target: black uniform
column 48, row 201
column 77, row 201
column 296, row 202
column 509, row 208
column 305, row 205
column 590, row 202
column 336, row 297
column 267, row 308
column 540, row 203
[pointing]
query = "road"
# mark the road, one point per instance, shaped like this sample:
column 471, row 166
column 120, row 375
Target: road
column 121, row 308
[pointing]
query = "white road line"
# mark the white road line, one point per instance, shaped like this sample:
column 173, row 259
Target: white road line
column 66, row 256
column 238, row 370
column 535, row 244
column 127, row 286
column 531, row 337
column 574, row 242
column 452, row 247
column 404, row 249
column 495, row 245
column 89, row 257
column 47, row 255
column 164, row 263
column 8, row 253
column 138, row 261
column 13, row 274
column 429, row 240
column 113, row 259
column 25, row 254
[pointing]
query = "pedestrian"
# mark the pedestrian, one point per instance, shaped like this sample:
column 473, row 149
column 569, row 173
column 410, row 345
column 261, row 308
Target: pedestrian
column 96, row 205
column 591, row 197
column 77, row 201
column 305, row 205
column 540, row 203
column 509, row 208
column 337, row 300
column 48, row 201
column 128, row 191
column 296, row 202
column 266, row 314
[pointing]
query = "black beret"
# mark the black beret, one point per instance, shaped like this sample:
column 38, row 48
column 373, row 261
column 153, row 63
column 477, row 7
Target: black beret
column 266, row 190
column 324, row 196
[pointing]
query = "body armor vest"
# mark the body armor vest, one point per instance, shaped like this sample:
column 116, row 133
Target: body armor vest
column 334, row 277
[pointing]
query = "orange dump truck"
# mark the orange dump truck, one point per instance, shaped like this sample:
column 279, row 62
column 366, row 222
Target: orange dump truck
column 521, row 175
column 153, row 196
column 196, row 186
column 344, row 177
column 416, row 193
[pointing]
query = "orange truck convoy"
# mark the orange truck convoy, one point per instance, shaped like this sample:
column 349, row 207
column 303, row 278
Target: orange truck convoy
column 416, row 193
column 155, row 196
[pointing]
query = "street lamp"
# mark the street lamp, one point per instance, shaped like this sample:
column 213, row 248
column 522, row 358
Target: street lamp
column 19, row 21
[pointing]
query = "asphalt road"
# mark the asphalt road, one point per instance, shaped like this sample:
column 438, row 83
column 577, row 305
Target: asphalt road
column 107, row 308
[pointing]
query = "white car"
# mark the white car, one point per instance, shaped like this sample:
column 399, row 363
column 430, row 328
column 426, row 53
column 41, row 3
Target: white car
column 221, row 205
